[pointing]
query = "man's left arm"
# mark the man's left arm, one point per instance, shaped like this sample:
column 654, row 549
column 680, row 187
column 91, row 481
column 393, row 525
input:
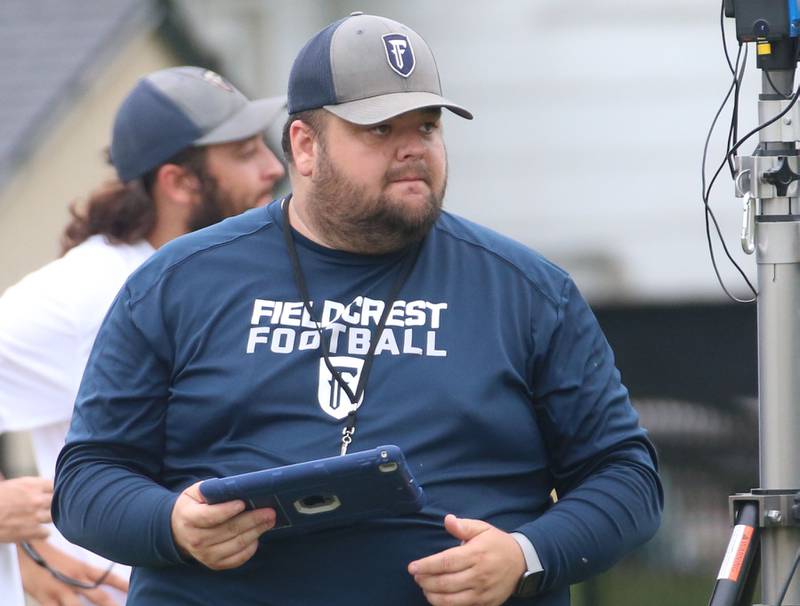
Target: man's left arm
column 603, row 466
column 613, row 511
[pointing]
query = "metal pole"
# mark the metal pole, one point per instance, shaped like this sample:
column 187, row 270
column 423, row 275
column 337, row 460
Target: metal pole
column 777, row 237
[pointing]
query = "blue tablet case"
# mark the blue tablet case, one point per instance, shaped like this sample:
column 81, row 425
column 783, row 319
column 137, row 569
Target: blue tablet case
column 325, row 493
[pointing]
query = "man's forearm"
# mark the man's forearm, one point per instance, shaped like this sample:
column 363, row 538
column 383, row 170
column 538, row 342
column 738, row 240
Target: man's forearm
column 112, row 510
column 615, row 509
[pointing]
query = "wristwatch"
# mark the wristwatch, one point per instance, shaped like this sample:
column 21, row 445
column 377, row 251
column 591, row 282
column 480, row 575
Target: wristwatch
column 528, row 585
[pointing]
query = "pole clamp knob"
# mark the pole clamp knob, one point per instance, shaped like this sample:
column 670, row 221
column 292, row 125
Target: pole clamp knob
column 781, row 177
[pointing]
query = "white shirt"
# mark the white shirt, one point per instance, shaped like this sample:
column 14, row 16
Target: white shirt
column 48, row 323
column 10, row 582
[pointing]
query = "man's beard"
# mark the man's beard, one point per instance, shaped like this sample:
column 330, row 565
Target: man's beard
column 350, row 220
column 212, row 206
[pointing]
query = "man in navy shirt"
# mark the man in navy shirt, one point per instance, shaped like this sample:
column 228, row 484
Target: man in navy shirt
column 351, row 314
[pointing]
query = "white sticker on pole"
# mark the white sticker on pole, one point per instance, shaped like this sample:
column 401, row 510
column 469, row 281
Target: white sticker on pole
column 734, row 556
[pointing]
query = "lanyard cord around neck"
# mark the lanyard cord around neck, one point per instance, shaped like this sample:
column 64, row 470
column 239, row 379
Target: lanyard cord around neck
column 405, row 270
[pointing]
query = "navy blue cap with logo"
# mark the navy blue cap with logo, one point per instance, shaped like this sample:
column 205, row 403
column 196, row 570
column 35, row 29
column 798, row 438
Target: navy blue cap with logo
column 180, row 107
column 366, row 69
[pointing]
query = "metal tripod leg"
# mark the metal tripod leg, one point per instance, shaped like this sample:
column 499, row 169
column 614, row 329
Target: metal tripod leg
column 737, row 574
column 752, row 578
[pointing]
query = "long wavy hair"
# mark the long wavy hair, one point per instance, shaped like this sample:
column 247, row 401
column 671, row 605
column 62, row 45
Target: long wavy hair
column 124, row 212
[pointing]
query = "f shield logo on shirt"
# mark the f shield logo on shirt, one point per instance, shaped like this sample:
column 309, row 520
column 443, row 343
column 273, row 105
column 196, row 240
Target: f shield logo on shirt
column 399, row 53
column 332, row 398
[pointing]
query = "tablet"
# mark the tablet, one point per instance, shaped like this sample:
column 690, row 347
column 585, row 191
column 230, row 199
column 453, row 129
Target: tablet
column 325, row 493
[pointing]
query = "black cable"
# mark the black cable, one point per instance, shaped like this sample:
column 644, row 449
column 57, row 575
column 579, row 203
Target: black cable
column 711, row 130
column 732, row 152
column 733, row 145
column 67, row 580
column 731, row 296
column 733, row 131
column 746, row 137
column 737, row 81
column 777, row 117
column 732, row 134
column 789, row 578
column 737, row 71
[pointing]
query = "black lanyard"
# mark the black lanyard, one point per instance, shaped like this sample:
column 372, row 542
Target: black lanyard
column 408, row 264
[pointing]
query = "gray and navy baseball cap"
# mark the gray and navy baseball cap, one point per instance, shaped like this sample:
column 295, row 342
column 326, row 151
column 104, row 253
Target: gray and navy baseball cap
column 180, row 107
column 367, row 69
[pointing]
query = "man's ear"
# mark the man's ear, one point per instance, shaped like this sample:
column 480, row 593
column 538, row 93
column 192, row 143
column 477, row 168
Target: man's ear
column 177, row 183
column 304, row 147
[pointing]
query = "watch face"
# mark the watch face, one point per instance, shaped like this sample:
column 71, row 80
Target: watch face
column 529, row 584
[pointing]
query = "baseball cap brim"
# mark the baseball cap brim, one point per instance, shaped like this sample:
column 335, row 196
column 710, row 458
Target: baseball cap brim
column 383, row 107
column 253, row 118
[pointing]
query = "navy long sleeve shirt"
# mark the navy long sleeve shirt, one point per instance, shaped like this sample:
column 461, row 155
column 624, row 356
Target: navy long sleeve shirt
column 491, row 374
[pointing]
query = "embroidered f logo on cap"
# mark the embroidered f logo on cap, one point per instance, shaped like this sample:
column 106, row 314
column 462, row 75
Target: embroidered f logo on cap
column 399, row 53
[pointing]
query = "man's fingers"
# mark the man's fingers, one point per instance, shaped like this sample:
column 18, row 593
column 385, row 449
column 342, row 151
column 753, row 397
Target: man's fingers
column 446, row 583
column 194, row 493
column 463, row 598
column 464, row 529
column 43, row 516
column 257, row 520
column 35, row 532
column 211, row 516
column 92, row 574
column 99, row 597
column 220, row 536
column 236, row 559
column 116, row 581
column 240, row 542
column 35, row 483
column 451, row 560
column 68, row 597
column 495, row 563
column 43, row 484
